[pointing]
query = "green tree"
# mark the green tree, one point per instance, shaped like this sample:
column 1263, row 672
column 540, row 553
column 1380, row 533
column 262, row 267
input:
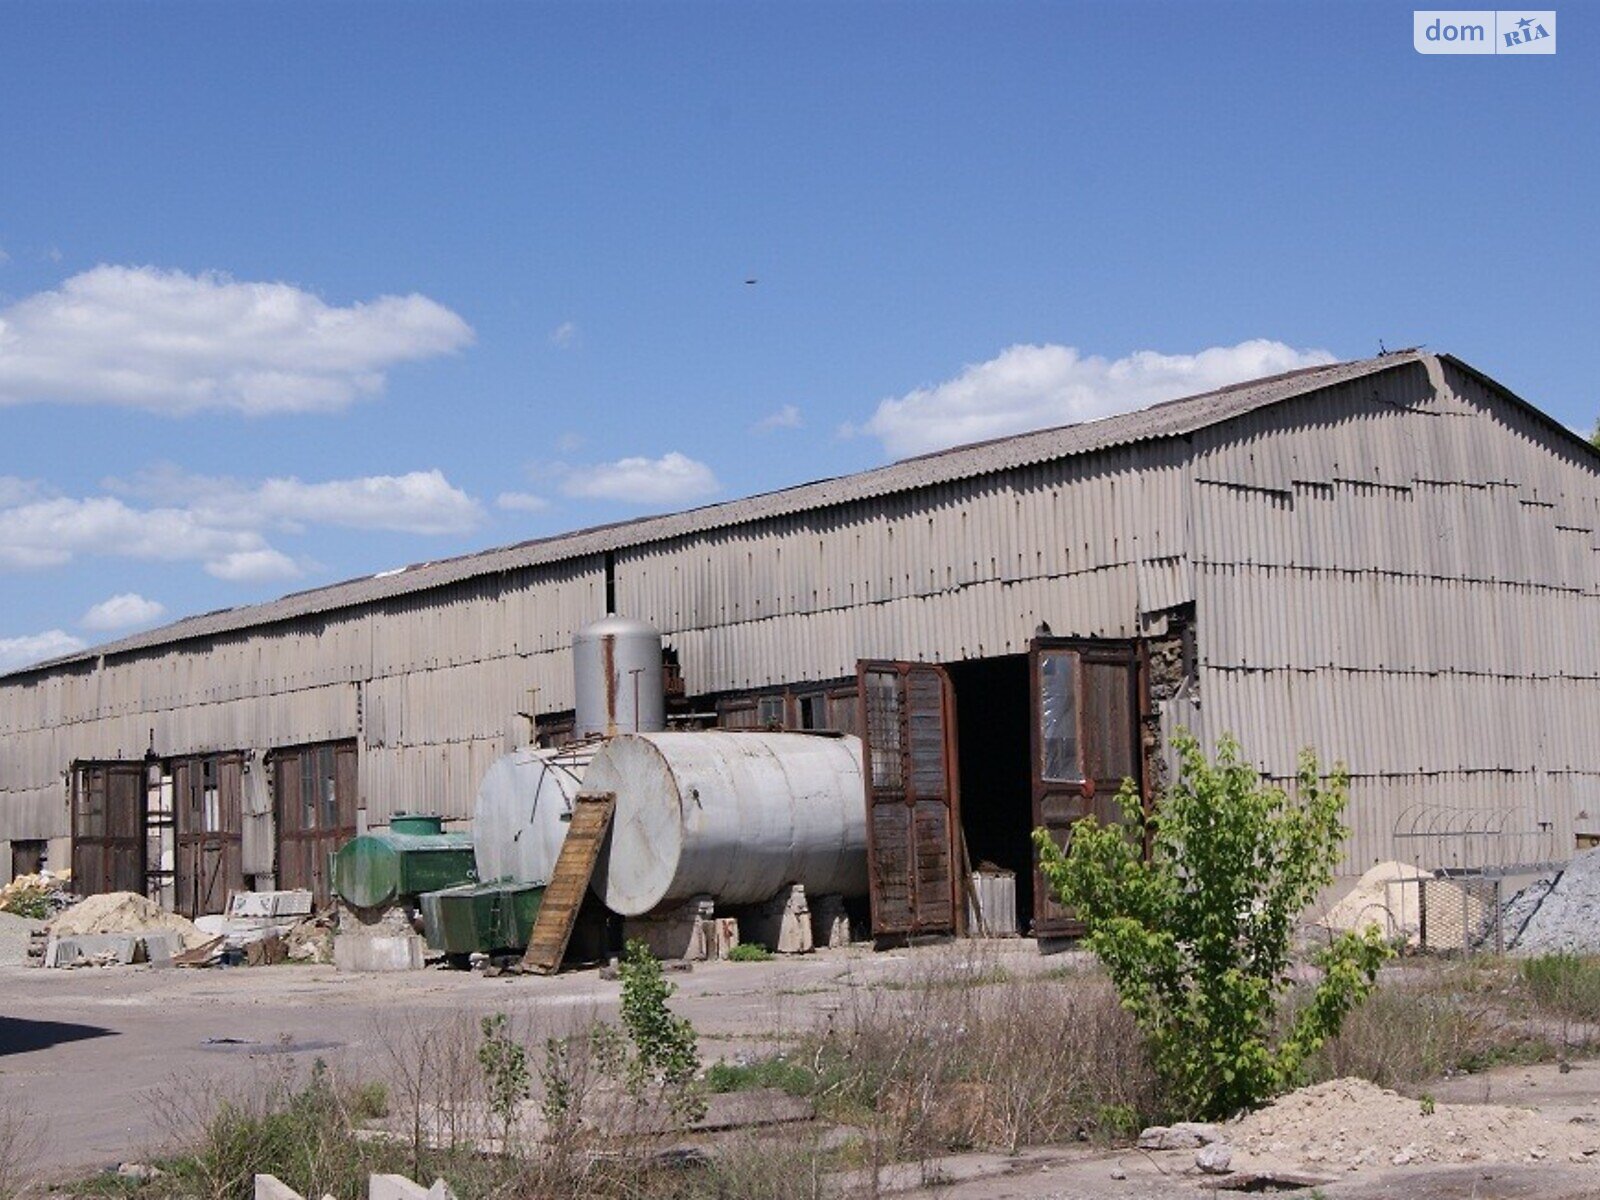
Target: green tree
column 1197, row 936
column 1595, row 436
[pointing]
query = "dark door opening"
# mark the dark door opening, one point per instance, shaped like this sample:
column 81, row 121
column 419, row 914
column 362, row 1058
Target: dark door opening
column 996, row 784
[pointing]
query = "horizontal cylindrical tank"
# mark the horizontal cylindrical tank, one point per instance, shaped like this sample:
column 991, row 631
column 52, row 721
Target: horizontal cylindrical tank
column 616, row 666
column 523, row 808
column 735, row 816
column 414, row 855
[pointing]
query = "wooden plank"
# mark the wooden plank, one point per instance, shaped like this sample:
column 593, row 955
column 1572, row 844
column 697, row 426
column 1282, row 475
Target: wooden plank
column 569, row 882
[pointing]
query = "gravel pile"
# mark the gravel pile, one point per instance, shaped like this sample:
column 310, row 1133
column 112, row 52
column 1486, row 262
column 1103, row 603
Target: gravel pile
column 1564, row 915
column 1349, row 1124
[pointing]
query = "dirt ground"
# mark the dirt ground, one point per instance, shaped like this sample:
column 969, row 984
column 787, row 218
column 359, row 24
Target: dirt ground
column 97, row 1057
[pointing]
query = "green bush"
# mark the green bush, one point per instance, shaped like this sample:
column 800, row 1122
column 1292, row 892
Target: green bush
column 665, row 1047
column 1197, row 936
column 749, row 952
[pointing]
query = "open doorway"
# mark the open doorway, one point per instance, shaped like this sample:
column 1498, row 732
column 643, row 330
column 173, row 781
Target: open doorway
column 992, row 720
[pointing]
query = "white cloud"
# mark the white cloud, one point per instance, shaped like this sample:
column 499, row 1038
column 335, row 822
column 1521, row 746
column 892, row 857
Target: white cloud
column 123, row 611
column 421, row 502
column 521, row 502
column 4, row 257
column 253, row 566
column 15, row 490
column 37, row 647
column 787, row 417
column 1035, row 387
column 174, row 343
column 565, row 335
column 673, row 478
column 48, row 533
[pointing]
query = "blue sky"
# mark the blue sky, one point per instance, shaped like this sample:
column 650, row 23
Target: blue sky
column 295, row 293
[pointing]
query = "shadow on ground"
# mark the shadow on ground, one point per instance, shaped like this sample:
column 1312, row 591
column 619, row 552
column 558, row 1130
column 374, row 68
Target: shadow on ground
column 18, row 1036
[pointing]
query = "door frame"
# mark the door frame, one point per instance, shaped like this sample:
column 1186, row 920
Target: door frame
column 932, row 906
column 1059, row 803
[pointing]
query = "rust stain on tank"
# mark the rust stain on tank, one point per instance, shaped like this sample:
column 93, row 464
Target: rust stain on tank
column 608, row 659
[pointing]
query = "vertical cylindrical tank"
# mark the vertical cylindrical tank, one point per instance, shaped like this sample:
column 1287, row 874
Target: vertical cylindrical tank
column 734, row 816
column 616, row 665
column 524, row 806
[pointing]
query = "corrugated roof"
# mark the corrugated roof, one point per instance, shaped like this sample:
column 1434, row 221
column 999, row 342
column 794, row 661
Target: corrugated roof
column 1174, row 418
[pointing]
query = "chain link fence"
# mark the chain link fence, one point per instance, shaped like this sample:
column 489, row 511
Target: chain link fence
column 1459, row 912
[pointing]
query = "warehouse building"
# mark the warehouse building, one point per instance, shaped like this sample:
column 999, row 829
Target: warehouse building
column 1395, row 561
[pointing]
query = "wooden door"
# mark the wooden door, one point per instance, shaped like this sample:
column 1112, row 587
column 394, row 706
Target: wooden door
column 912, row 797
column 314, row 790
column 208, row 796
column 1085, row 742
column 108, row 828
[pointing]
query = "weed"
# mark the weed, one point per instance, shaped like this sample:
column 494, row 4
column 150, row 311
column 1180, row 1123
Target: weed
column 665, row 1048
column 1564, row 985
column 21, row 1139
column 505, row 1073
column 749, row 952
column 775, row 1072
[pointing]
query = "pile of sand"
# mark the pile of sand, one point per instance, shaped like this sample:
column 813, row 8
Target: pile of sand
column 1350, row 1123
column 125, row 912
column 1388, row 896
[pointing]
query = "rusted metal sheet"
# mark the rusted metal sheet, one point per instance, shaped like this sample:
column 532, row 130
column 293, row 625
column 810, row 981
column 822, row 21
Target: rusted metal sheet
column 912, row 798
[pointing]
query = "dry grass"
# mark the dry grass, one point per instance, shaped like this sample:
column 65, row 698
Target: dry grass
column 965, row 1057
column 962, row 1054
column 21, row 1142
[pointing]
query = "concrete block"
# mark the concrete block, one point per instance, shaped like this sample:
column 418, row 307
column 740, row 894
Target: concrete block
column 724, row 936
column 782, row 924
column 122, row 948
column 270, row 1187
column 683, row 933
column 358, row 953
column 394, row 1187
column 830, row 924
column 296, row 903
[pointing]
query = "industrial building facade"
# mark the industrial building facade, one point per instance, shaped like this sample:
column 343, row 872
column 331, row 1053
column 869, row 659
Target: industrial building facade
column 1394, row 561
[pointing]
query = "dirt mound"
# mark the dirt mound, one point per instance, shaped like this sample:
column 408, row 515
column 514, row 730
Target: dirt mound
column 1388, row 896
column 1350, row 1123
column 125, row 912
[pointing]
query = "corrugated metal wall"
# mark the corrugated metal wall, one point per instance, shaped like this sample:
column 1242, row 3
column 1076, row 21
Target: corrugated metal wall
column 959, row 570
column 1407, row 580
column 431, row 684
column 1403, row 571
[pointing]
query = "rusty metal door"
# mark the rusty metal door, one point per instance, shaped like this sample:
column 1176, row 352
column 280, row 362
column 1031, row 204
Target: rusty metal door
column 314, row 793
column 913, row 804
column 1085, row 742
column 107, row 828
column 208, row 795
